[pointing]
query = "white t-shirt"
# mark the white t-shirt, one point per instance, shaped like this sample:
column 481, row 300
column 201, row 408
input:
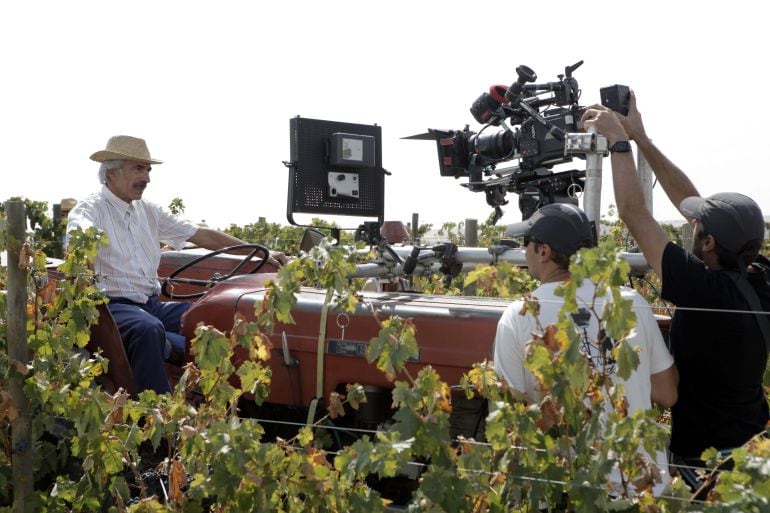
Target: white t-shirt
column 514, row 332
column 128, row 266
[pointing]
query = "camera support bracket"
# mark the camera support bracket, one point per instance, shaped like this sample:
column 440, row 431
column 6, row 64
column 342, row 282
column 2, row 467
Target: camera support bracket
column 584, row 144
column 594, row 147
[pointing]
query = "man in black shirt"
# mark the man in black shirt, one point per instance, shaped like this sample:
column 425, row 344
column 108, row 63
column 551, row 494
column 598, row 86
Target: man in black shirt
column 718, row 347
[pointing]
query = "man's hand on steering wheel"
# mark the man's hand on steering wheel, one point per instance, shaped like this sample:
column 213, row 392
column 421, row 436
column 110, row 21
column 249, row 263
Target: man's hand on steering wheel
column 277, row 259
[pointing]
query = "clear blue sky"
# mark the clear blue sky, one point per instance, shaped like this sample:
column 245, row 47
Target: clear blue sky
column 212, row 87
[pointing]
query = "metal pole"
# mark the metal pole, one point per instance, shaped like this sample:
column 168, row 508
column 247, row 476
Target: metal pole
column 471, row 257
column 471, row 241
column 18, row 352
column 645, row 175
column 592, row 199
column 471, row 232
column 687, row 235
column 416, row 229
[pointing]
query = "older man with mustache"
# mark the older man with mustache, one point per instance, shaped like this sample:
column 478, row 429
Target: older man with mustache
column 127, row 268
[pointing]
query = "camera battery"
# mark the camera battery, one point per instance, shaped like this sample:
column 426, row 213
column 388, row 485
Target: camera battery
column 352, row 150
column 616, row 98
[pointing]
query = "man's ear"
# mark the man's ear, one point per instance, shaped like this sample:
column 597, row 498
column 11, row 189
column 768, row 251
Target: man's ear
column 709, row 243
column 544, row 252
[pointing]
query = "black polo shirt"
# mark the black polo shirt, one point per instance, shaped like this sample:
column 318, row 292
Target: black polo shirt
column 721, row 356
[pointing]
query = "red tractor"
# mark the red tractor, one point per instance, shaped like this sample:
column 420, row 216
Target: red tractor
column 453, row 334
column 309, row 360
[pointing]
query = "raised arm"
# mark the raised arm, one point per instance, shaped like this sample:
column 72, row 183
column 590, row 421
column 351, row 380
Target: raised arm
column 675, row 183
column 629, row 195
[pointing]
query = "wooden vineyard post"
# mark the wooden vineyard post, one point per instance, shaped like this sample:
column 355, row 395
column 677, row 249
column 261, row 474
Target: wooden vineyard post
column 18, row 354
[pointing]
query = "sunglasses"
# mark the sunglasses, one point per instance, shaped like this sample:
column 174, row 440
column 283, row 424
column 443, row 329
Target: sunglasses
column 527, row 240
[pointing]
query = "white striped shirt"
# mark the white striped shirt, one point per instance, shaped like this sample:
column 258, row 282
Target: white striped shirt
column 128, row 266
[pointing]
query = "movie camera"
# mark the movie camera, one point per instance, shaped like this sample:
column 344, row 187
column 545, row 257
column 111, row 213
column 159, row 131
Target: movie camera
column 536, row 119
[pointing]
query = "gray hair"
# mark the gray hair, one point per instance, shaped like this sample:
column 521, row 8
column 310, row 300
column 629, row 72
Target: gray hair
column 109, row 165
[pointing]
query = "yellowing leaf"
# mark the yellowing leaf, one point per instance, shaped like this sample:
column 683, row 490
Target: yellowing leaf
column 25, row 256
column 8, row 410
column 317, row 457
column 21, row 367
column 177, row 480
column 549, row 338
column 240, row 327
column 305, row 436
column 264, row 346
column 335, row 408
column 621, row 406
column 549, row 415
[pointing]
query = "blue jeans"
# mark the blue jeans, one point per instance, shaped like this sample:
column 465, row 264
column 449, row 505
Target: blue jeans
column 144, row 329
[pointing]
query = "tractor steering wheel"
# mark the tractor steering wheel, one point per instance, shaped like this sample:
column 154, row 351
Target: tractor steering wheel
column 255, row 249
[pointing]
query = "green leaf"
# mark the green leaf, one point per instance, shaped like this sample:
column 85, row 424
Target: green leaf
column 445, row 488
column 627, row 359
column 255, row 379
column 619, row 317
column 112, row 456
column 210, row 346
column 407, row 424
column 393, row 346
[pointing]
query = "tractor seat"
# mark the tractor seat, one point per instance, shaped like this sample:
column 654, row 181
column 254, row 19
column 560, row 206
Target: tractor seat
column 106, row 337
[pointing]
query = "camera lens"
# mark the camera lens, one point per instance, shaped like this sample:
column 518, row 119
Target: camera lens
column 495, row 146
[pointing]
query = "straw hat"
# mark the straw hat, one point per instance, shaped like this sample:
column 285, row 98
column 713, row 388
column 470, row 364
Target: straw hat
column 67, row 204
column 125, row 147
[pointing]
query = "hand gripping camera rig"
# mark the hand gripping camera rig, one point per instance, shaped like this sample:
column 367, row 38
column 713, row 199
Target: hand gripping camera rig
column 540, row 128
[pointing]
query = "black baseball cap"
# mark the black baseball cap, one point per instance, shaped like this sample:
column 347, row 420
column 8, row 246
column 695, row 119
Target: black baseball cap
column 731, row 218
column 562, row 226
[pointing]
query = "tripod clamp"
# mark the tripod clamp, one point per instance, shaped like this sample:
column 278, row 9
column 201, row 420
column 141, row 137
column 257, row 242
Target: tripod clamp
column 369, row 232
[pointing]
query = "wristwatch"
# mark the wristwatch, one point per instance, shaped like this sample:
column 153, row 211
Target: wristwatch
column 620, row 147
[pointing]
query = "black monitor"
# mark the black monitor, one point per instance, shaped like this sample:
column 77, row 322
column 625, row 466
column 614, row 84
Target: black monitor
column 335, row 169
